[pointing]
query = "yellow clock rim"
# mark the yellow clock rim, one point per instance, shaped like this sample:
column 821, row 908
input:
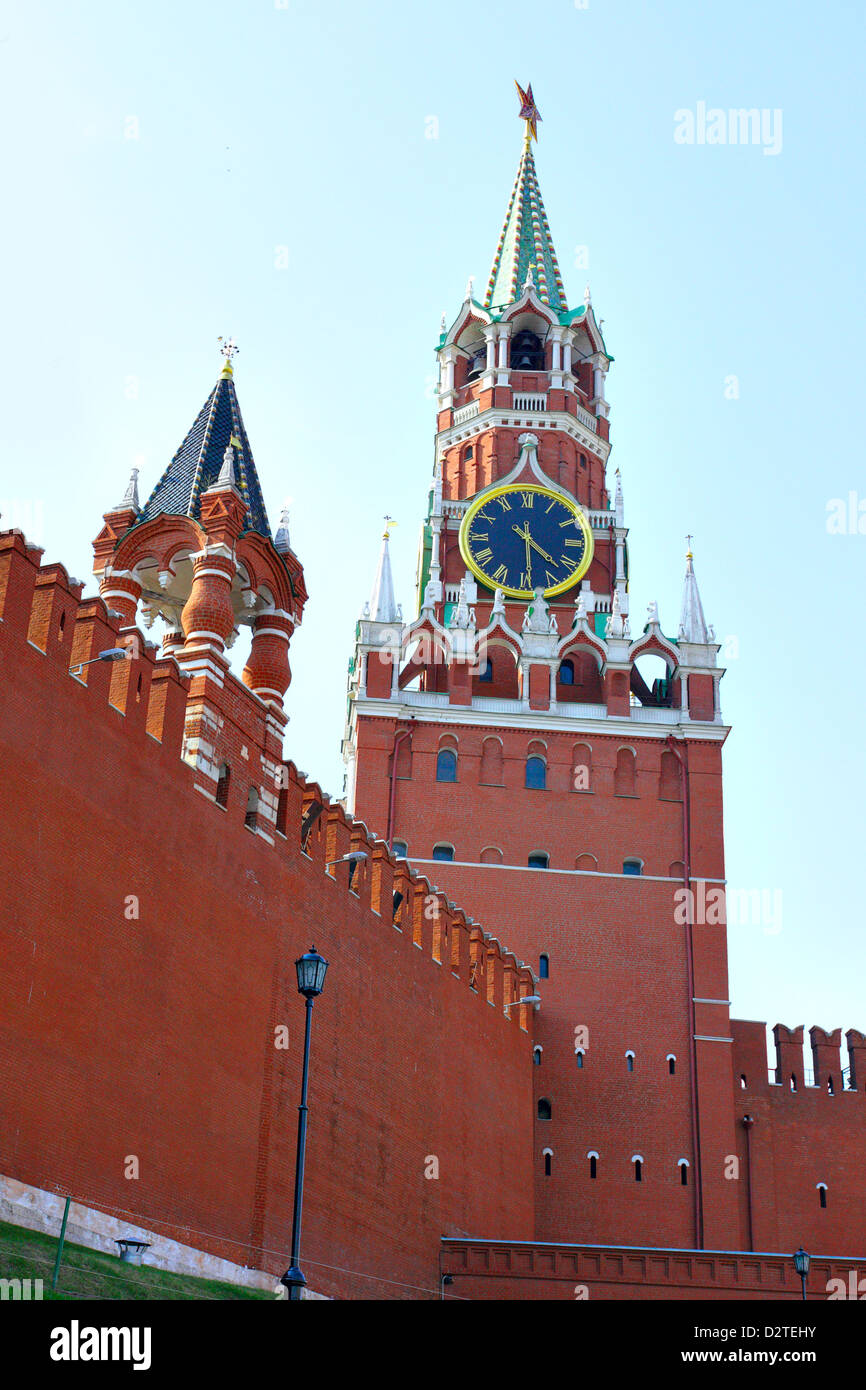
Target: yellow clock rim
column 490, row 496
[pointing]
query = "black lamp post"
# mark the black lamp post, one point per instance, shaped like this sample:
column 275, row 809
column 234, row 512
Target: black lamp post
column 311, row 979
column 801, row 1264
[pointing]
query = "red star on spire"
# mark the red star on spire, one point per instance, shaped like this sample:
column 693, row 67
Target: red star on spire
column 529, row 112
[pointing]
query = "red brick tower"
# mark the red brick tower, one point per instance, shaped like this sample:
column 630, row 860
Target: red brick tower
column 508, row 743
column 199, row 556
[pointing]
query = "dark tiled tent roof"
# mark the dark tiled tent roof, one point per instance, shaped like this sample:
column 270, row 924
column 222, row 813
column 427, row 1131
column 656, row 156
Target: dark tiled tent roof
column 197, row 463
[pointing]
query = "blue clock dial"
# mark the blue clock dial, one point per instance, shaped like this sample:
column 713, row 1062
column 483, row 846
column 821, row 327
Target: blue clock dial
column 520, row 539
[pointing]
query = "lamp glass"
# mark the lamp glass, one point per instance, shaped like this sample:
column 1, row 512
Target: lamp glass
column 311, row 973
column 801, row 1261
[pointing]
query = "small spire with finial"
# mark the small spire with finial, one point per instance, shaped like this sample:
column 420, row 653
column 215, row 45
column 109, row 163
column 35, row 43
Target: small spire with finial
column 229, row 349
column 689, row 539
column 389, row 522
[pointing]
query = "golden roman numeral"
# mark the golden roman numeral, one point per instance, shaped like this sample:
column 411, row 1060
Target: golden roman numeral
column 527, row 498
column 484, row 555
column 570, row 522
column 504, row 503
column 551, row 578
column 569, row 541
column 501, row 573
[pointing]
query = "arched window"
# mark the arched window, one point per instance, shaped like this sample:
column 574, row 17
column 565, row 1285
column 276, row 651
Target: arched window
column 544, row 1109
column 539, row 861
column 536, row 773
column 399, row 849
column 623, row 777
column 793, row 1082
column 486, row 672
column 444, row 852
column 544, row 967
column 578, row 1057
column 222, row 787
column 527, row 351
column 637, row 1161
column 536, row 1055
column 251, row 819
column 672, row 1064
column 629, row 1061
column 548, row 1162
column 446, row 765
column 633, row 867
column 742, row 1081
column 822, row 1193
column 593, row 1163
column 683, row 1165
column 566, row 673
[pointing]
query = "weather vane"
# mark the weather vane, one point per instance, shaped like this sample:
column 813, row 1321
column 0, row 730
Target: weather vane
column 389, row 522
column 689, row 540
column 229, row 348
column 529, row 112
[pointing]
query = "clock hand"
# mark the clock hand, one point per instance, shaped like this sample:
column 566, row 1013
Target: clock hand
column 542, row 553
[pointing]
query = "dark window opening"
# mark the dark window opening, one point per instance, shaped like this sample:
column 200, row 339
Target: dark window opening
column 444, row 852
column 446, row 766
column 536, row 773
column 629, row 1061
column 543, row 967
column 684, row 1175
column 399, row 849
column 638, row 1170
column 547, row 1164
column 632, row 866
column 822, row 1196
column 593, row 1166
column 544, row 1110
column 672, row 1065
column 222, row 787
column 538, row 861
column 566, row 673
column 487, row 671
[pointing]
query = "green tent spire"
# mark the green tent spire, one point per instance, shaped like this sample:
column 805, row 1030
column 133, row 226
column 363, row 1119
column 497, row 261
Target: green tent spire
column 525, row 246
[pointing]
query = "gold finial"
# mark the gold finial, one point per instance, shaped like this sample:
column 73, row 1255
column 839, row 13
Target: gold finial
column 229, row 350
column 689, row 555
column 389, row 522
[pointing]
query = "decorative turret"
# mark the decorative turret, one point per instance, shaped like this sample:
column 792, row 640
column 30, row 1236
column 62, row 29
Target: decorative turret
column 199, row 552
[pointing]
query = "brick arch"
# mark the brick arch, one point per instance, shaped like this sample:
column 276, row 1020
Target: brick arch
column 624, row 777
column 587, row 862
column 581, row 767
column 670, row 783
column 492, row 762
column 491, row 854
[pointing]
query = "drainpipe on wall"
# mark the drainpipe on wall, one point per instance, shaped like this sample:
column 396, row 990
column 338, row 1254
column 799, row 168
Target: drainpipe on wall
column 682, row 759
column 748, row 1121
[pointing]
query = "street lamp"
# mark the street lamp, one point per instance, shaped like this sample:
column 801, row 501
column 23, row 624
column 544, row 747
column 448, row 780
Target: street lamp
column 533, row 999
column 801, row 1264
column 110, row 654
column 311, row 979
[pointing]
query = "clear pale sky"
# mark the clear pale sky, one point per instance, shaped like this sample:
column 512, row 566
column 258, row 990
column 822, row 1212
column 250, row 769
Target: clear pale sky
column 179, row 171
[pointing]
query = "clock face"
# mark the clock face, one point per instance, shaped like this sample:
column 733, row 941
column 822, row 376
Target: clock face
column 522, row 538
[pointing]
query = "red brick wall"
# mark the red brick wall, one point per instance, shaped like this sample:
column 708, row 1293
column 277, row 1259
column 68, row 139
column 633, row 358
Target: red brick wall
column 153, row 1034
column 799, row 1139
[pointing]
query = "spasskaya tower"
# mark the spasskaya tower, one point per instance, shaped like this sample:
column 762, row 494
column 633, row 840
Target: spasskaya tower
column 554, row 771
